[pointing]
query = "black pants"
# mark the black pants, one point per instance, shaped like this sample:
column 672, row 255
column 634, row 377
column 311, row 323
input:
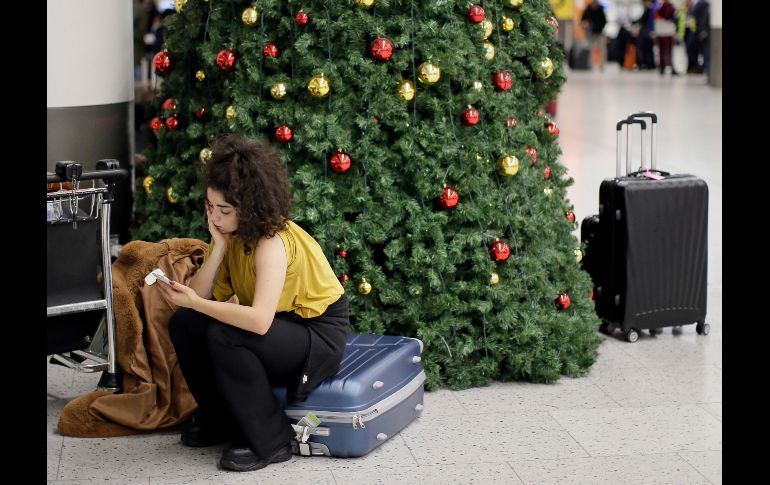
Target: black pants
column 230, row 372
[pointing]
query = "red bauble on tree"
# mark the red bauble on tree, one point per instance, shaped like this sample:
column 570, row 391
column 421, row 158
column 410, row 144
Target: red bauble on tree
column 271, row 50
column 511, row 122
column 547, row 172
column 499, row 251
column 476, row 14
column 156, row 124
column 552, row 129
column 342, row 253
column 344, row 277
column 284, row 134
column 162, row 62
column 532, row 155
column 502, row 80
column 562, row 301
column 471, row 116
column 340, row 162
column 169, row 105
column 226, row 60
column 381, row 49
column 570, row 215
column 591, row 296
column 553, row 23
column 201, row 113
column 449, row 197
column 301, row 18
column 172, row 123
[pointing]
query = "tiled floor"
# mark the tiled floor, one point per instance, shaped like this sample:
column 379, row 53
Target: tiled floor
column 648, row 413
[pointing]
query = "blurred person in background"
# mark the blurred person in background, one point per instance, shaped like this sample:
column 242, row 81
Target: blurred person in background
column 593, row 21
column 665, row 30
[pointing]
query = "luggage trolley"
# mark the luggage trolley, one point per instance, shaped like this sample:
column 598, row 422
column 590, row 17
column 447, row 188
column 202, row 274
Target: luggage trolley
column 80, row 324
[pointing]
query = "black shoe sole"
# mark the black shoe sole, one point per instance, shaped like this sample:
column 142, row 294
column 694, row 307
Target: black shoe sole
column 230, row 464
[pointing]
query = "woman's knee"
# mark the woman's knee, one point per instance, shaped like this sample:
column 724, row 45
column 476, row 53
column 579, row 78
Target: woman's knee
column 178, row 321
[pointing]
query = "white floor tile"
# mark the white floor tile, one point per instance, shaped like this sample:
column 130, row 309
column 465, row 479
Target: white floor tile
column 708, row 463
column 642, row 431
column 463, row 474
column 714, row 408
column 441, row 402
column 265, row 476
column 53, row 456
column 663, row 469
column 672, row 350
column 108, row 481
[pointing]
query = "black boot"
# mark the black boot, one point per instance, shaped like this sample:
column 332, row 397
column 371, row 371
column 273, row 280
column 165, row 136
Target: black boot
column 239, row 457
column 199, row 432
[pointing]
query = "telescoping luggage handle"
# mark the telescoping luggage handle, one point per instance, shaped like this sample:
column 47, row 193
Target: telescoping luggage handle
column 619, row 129
column 653, row 122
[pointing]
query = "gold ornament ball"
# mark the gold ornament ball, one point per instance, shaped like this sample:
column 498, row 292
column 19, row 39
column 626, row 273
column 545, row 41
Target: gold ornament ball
column 429, row 73
column 405, row 91
column 507, row 24
column 494, row 279
column 179, row 5
column 170, row 195
column 365, row 3
column 489, row 50
column 278, row 90
column 548, row 191
column 578, row 255
column 249, row 16
column 478, row 86
column 200, row 75
column 364, row 287
column 545, row 68
column 147, row 184
column 488, row 27
column 205, row 155
column 508, row 165
column 318, row 86
column 515, row 3
column 230, row 112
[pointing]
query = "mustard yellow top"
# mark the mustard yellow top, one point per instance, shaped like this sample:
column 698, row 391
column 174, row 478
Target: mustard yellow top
column 310, row 286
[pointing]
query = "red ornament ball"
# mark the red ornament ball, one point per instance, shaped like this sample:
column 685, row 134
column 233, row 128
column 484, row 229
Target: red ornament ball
column 284, row 134
column 376, row 120
column 532, row 155
column 471, row 116
column 156, row 124
column 570, row 215
column 169, row 104
column 226, row 60
column 449, row 198
column 547, row 172
column 553, row 23
column 342, row 253
column 162, row 62
column 201, row 113
column 511, row 122
column 499, row 251
column 591, row 296
column 344, row 277
column 562, row 301
column 172, row 123
column 381, row 49
column 271, row 50
column 502, row 80
column 301, row 18
column 340, row 162
column 476, row 14
column 553, row 129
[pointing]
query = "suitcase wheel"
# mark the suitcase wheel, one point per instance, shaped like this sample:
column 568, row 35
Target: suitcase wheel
column 656, row 331
column 632, row 335
column 677, row 329
column 702, row 328
column 606, row 328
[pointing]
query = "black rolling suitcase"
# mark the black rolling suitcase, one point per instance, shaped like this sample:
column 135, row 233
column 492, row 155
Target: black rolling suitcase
column 647, row 255
column 579, row 57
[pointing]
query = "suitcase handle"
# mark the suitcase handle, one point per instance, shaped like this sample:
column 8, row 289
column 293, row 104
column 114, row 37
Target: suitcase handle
column 619, row 129
column 654, row 118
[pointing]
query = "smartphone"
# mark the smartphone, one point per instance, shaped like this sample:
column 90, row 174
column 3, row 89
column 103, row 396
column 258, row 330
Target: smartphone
column 156, row 274
column 162, row 278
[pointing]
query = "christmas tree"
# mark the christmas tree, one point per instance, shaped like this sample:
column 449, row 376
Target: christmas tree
column 419, row 156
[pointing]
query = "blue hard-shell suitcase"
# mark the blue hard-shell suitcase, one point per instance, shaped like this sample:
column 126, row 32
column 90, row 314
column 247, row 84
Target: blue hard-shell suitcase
column 376, row 393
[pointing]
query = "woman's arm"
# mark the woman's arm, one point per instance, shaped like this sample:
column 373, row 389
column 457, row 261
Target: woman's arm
column 270, row 260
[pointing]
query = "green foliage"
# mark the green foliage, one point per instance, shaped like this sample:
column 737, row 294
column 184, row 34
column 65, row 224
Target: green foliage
column 429, row 267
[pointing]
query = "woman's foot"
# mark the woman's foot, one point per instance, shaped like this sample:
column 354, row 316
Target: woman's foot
column 199, row 433
column 241, row 458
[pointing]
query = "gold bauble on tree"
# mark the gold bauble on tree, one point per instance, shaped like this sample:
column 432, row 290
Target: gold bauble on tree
column 364, row 287
column 489, row 50
column 578, row 254
column 508, row 165
column 230, row 112
column 544, row 68
column 365, row 3
column 147, row 184
column 179, row 5
column 249, row 16
column 200, row 75
column 205, row 155
column 478, row 86
column 487, row 26
column 278, row 90
column 515, row 3
column 318, row 86
column 548, row 191
column 507, row 24
column 494, row 278
column 170, row 195
column 429, row 73
column 405, row 91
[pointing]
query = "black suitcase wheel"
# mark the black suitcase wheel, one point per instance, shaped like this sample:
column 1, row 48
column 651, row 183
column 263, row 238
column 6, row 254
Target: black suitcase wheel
column 702, row 328
column 632, row 335
column 656, row 331
column 677, row 329
column 606, row 328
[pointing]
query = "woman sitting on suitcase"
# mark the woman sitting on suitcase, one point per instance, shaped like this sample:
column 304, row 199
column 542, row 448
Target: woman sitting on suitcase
column 288, row 328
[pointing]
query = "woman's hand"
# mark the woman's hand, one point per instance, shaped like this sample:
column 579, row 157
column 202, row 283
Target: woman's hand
column 178, row 294
column 220, row 239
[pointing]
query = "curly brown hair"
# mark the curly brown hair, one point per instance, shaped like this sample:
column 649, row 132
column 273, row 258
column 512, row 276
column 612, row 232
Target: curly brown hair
column 252, row 178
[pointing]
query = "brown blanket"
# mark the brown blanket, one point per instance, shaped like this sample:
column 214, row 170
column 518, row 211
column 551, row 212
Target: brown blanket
column 155, row 395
